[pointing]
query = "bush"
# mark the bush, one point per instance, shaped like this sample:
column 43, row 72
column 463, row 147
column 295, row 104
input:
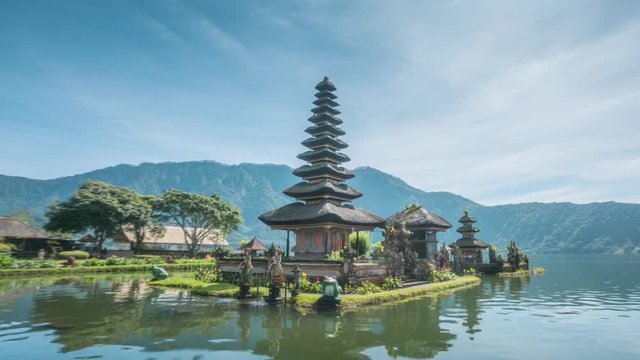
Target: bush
column 208, row 275
column 30, row 264
column 92, row 262
column 335, row 256
column 359, row 242
column 308, row 286
column 367, row 287
column 391, row 283
column 113, row 260
column 431, row 273
column 79, row 255
column 469, row 272
column 378, row 251
column 444, row 275
column 6, row 261
column 147, row 259
column 5, row 248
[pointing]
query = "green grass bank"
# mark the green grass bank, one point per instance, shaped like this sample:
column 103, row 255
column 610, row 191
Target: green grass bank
column 522, row 272
column 101, row 269
column 305, row 302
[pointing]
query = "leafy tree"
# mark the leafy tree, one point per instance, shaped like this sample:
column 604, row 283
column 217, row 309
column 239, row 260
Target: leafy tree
column 98, row 207
column 378, row 251
column 23, row 215
column 143, row 221
column 199, row 215
column 360, row 242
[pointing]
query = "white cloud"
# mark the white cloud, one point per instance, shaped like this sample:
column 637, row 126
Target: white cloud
column 515, row 118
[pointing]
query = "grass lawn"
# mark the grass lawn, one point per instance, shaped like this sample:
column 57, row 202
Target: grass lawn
column 305, row 302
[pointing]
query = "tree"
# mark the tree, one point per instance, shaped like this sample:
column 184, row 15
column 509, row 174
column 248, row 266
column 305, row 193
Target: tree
column 378, row 251
column 143, row 220
column 359, row 242
column 23, row 215
column 199, row 215
column 98, row 207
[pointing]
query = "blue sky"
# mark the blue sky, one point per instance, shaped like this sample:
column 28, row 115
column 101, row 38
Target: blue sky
column 498, row 101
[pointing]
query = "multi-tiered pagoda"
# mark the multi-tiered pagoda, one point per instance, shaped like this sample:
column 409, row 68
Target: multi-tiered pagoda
column 321, row 219
column 470, row 247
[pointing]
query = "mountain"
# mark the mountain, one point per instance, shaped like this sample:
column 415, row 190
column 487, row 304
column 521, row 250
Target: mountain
column 255, row 188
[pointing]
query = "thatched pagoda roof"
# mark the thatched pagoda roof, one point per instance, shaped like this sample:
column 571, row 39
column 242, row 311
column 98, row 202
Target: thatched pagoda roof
column 418, row 217
column 322, row 189
column 325, row 212
column 254, row 245
column 470, row 243
column 13, row 228
column 466, row 218
column 323, row 171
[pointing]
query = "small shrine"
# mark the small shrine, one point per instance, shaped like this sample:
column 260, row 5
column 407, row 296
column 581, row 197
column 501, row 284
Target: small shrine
column 470, row 247
column 423, row 225
column 322, row 217
column 255, row 247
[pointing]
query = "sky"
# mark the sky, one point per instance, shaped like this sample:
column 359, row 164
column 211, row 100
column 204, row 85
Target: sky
column 501, row 102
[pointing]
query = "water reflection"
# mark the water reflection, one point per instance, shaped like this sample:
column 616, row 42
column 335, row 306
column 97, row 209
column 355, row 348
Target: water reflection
column 115, row 316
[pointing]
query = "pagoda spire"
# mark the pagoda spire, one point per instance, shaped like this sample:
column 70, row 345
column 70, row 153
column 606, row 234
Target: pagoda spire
column 467, row 229
column 323, row 176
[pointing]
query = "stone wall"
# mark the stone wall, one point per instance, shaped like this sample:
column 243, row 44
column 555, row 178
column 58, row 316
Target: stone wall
column 370, row 271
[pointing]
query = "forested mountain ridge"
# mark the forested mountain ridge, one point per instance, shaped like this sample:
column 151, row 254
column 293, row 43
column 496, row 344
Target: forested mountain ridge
column 256, row 188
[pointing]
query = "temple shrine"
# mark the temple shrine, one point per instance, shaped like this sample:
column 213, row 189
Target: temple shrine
column 424, row 225
column 470, row 247
column 322, row 217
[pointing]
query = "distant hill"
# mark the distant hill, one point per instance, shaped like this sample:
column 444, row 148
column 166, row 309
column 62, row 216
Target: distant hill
column 255, row 188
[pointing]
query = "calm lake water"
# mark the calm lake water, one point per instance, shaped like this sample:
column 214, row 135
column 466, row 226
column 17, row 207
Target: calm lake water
column 586, row 307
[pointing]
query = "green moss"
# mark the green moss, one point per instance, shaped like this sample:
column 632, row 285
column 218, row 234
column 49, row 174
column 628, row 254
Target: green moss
column 522, row 272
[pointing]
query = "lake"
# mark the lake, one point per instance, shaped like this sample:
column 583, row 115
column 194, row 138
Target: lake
column 585, row 307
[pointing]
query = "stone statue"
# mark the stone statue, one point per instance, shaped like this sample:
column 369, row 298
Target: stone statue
column 246, row 275
column 158, row 273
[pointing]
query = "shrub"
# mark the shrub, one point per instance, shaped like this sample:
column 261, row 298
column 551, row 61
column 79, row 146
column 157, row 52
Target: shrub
column 469, row 272
column 147, row 259
column 431, row 273
column 79, row 255
column 222, row 252
column 335, row 256
column 425, row 273
column 378, row 251
column 391, row 283
column 6, row 261
column 208, row 275
column 30, row 264
column 359, row 242
column 367, row 287
column 444, row 275
column 5, row 248
column 308, row 286
column 113, row 260
column 93, row 262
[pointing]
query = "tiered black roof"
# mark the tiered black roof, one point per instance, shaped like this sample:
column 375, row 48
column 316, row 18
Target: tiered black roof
column 323, row 174
column 323, row 190
column 468, row 231
column 418, row 217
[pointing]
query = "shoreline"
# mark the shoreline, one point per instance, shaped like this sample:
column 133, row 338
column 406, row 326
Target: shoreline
column 305, row 302
column 99, row 269
column 518, row 273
